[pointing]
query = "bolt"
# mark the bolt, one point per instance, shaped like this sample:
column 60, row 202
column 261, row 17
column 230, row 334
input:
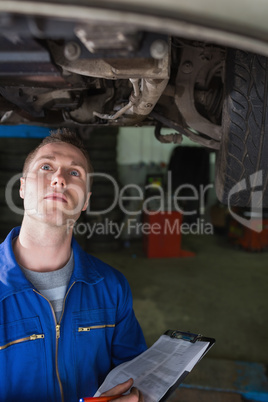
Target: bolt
column 72, row 51
column 159, row 49
column 187, row 67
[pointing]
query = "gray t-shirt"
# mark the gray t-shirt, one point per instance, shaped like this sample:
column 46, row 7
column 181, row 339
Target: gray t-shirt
column 52, row 285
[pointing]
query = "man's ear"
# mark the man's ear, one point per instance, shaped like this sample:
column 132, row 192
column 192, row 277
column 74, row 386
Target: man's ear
column 22, row 187
column 86, row 202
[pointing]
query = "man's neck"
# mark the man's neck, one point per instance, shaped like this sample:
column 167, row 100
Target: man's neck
column 42, row 247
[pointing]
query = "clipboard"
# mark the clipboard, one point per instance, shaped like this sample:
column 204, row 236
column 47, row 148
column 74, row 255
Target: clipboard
column 175, row 353
column 192, row 338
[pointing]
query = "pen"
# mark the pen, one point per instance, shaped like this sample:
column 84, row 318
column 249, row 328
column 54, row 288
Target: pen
column 99, row 398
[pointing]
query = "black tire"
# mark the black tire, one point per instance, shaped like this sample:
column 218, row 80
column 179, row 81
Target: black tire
column 244, row 147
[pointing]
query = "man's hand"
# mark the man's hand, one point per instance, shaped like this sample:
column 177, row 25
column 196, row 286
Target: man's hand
column 134, row 396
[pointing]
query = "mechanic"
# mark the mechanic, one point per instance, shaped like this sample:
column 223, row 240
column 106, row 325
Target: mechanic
column 66, row 318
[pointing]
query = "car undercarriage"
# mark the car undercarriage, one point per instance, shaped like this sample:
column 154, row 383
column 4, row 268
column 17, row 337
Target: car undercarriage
column 110, row 75
column 82, row 65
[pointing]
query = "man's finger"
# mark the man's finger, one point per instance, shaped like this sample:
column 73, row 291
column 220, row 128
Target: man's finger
column 120, row 388
column 139, row 394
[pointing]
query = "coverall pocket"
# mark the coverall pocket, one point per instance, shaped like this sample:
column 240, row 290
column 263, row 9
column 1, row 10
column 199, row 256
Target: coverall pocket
column 22, row 360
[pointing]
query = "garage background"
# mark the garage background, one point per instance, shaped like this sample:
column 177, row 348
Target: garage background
column 219, row 291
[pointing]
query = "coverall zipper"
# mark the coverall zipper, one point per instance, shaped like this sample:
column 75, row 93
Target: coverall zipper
column 85, row 329
column 57, row 328
column 25, row 339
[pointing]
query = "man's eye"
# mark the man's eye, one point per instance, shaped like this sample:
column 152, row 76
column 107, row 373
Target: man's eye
column 45, row 167
column 74, row 173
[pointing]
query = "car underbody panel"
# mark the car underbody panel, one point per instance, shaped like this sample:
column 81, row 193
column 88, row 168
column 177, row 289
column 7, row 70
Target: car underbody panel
column 58, row 72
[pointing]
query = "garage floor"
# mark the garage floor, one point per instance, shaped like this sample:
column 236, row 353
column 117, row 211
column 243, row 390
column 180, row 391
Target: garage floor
column 221, row 292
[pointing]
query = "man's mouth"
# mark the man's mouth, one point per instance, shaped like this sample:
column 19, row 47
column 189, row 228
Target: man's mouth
column 56, row 197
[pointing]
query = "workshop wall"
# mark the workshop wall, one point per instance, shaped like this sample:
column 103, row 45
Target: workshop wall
column 140, row 154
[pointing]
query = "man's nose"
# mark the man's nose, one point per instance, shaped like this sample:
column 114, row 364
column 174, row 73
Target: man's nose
column 58, row 179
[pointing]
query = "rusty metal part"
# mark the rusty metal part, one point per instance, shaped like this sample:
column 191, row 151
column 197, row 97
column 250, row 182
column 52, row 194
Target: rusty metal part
column 209, row 143
column 175, row 138
column 121, row 38
column 116, row 115
column 72, row 50
column 111, row 67
column 86, row 112
column 141, row 102
column 150, row 92
column 197, row 67
column 134, row 96
column 158, row 49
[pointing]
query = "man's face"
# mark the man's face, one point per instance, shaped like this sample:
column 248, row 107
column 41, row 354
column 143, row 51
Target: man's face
column 55, row 187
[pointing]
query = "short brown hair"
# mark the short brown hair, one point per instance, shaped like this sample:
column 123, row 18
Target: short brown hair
column 60, row 135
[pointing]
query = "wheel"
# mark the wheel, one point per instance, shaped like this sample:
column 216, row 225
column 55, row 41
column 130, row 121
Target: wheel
column 242, row 161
